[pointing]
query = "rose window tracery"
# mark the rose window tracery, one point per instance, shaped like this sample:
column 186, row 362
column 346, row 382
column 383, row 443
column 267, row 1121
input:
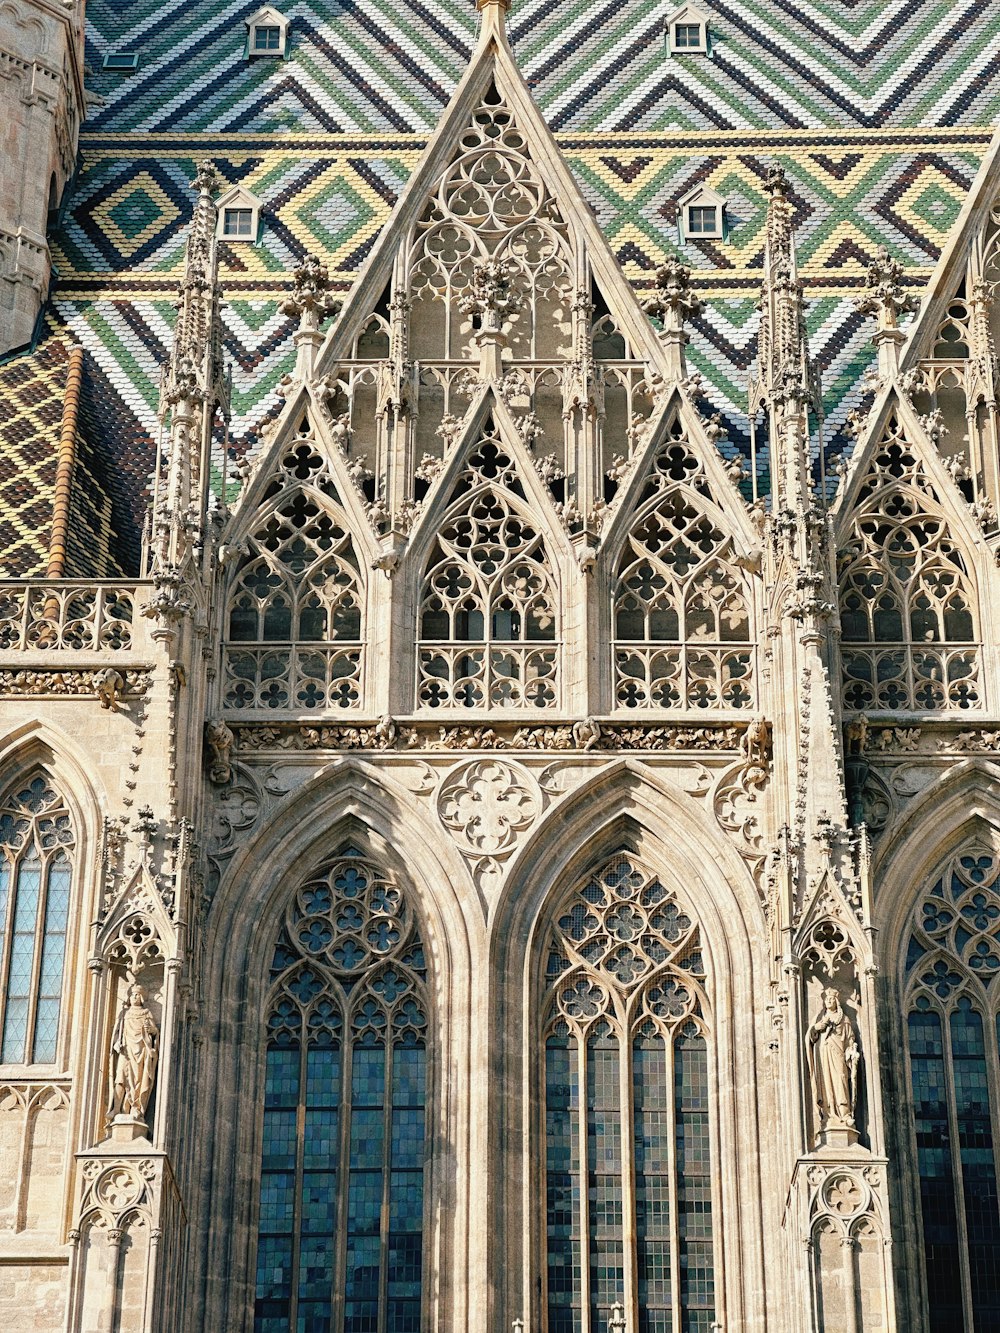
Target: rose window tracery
column 294, row 618
column 681, row 607
column 906, row 596
column 488, row 611
column 343, row 1135
column 625, row 1026
column 952, row 1000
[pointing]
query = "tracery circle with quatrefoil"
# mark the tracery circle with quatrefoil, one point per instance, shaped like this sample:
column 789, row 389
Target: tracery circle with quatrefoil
column 625, row 948
column 954, row 940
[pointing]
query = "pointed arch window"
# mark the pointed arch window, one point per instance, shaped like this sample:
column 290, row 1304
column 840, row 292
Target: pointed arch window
column 36, row 849
column 627, row 1092
column 488, row 613
column 681, row 607
column 294, row 613
column 344, row 1121
column 906, row 595
column 952, row 991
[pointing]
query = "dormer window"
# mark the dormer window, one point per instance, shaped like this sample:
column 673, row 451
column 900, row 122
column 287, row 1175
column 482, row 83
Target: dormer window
column 239, row 215
column 268, row 33
column 237, row 222
column 687, row 32
column 702, row 215
column 267, row 39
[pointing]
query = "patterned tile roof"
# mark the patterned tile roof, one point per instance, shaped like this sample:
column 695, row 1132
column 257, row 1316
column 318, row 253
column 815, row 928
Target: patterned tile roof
column 376, row 66
column 31, row 413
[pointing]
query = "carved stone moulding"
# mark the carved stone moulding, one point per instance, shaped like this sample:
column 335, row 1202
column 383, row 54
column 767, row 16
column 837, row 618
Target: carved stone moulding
column 73, row 682
column 582, row 736
column 904, row 739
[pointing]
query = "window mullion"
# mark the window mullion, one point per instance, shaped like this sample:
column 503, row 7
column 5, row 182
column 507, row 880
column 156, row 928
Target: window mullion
column 675, row 1246
column 300, row 1147
column 626, row 1099
column 956, row 1168
column 7, row 940
column 383, row 1267
column 343, row 1178
column 41, row 907
column 583, row 1151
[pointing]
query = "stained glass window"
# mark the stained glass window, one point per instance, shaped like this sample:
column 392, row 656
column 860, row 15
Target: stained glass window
column 951, row 969
column 36, row 841
column 342, row 1167
column 626, row 1111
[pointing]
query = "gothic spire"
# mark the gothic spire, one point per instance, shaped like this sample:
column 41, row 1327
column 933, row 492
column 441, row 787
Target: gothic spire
column 193, row 390
column 786, row 384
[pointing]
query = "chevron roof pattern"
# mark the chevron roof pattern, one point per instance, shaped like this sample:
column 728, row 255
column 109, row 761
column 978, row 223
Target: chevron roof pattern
column 375, row 66
column 31, row 413
column 880, row 114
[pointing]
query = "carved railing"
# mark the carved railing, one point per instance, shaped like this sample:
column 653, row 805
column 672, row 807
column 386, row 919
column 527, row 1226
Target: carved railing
column 52, row 615
column 923, row 679
column 308, row 676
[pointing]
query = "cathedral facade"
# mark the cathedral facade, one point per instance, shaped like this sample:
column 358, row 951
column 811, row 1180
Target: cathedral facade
column 499, row 790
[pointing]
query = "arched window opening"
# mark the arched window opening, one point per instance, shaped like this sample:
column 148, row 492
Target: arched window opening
column 681, row 607
column 953, row 1027
column 340, row 1230
column 294, row 615
column 906, row 596
column 488, row 619
column 36, row 847
column 627, row 1091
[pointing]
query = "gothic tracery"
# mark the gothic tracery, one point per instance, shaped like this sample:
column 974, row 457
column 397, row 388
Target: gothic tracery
column 907, row 597
column 625, row 1026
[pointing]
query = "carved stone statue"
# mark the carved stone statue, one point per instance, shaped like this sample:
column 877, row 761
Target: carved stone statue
column 134, row 1053
column 220, row 740
column 834, row 1055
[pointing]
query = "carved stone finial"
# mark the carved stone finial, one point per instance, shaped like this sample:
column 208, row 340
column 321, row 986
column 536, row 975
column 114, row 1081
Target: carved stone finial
column 776, row 183
column 492, row 294
column 885, row 298
column 674, row 302
column 673, row 298
column 206, row 180
column 311, row 299
column 493, row 297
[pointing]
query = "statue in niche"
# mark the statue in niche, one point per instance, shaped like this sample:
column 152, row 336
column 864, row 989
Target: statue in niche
column 834, row 1055
column 134, row 1053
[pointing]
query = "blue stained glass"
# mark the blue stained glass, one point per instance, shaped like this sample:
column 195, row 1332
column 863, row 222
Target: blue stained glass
column 604, row 1173
column 409, row 1078
column 308, row 1093
column 281, row 1082
column 975, row 1140
column 53, row 956
column 934, row 1162
column 652, row 1180
column 368, row 1076
column 277, row 1202
column 4, row 886
column 22, row 956
column 279, row 1141
column 696, row 1278
column 562, row 1110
